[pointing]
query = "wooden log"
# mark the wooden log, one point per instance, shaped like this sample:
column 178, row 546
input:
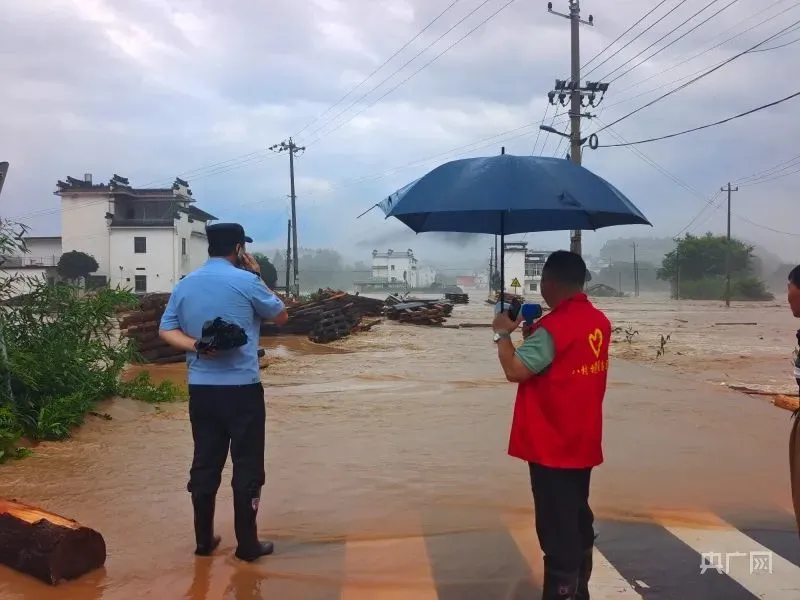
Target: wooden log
column 786, row 402
column 47, row 546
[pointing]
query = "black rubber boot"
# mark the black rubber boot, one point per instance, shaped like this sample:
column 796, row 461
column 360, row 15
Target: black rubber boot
column 207, row 542
column 585, row 573
column 245, row 509
column 559, row 585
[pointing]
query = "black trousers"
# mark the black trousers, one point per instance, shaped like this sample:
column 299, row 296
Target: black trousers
column 564, row 521
column 223, row 417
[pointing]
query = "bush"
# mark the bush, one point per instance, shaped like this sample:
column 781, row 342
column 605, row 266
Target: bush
column 63, row 356
column 713, row 288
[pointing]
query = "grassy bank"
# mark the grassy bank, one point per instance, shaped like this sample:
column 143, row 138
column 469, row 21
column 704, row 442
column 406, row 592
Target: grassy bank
column 59, row 356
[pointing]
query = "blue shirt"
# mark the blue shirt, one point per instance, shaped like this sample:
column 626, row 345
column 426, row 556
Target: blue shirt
column 218, row 289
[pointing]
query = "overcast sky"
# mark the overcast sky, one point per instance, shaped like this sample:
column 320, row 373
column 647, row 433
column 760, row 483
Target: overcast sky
column 151, row 89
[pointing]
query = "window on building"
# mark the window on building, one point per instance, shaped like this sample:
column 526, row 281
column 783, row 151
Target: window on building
column 534, row 286
column 140, row 245
column 392, row 267
column 533, row 269
column 140, row 284
column 183, row 246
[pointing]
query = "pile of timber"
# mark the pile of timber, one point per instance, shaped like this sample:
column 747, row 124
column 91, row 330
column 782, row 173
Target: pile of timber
column 495, row 298
column 332, row 315
column 141, row 326
column 457, row 298
column 47, row 546
column 420, row 312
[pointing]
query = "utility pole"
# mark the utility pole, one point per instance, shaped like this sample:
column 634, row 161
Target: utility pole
column 491, row 269
column 496, row 259
column 728, row 189
column 288, row 254
column 577, row 94
column 635, row 273
column 292, row 148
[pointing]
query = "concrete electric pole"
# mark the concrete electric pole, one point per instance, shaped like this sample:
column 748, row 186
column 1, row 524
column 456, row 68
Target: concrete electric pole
column 577, row 93
column 292, row 148
column 728, row 189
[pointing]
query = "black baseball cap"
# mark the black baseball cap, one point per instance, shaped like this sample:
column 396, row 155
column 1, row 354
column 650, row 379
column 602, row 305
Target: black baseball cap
column 226, row 233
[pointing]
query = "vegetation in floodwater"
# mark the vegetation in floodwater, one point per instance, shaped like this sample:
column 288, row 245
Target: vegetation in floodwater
column 60, row 354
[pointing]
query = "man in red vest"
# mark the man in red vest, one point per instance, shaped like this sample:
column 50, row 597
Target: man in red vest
column 561, row 369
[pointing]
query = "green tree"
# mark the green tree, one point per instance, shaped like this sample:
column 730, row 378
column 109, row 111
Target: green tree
column 268, row 271
column 698, row 263
column 74, row 265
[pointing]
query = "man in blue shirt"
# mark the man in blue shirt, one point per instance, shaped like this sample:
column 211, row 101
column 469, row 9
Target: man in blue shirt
column 226, row 398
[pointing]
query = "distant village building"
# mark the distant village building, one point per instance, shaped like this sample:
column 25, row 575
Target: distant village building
column 143, row 239
column 393, row 270
column 525, row 267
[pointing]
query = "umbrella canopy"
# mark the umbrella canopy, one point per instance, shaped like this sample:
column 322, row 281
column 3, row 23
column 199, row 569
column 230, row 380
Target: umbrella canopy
column 507, row 194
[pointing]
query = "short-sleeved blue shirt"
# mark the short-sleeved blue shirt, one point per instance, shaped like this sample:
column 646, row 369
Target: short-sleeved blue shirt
column 218, row 289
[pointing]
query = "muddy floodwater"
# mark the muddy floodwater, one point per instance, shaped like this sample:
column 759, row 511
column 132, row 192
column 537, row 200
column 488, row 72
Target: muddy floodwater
column 402, row 432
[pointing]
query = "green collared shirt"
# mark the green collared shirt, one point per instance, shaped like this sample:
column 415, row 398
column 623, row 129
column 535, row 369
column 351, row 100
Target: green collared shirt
column 538, row 351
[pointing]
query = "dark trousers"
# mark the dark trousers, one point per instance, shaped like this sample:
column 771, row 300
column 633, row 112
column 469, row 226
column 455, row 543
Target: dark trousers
column 223, row 417
column 564, row 521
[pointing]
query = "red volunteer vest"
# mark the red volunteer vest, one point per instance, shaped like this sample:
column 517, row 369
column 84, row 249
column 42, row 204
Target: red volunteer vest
column 558, row 415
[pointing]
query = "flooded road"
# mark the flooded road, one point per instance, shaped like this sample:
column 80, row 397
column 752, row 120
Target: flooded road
column 382, row 447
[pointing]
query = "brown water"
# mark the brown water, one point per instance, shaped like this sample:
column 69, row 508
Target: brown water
column 402, row 431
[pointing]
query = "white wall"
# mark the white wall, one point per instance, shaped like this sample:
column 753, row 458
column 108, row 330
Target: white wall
column 44, row 247
column 157, row 263
column 196, row 245
column 84, row 228
column 388, row 267
column 514, row 267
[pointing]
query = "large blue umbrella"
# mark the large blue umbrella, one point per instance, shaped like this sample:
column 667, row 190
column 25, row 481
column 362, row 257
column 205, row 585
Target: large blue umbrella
column 507, row 194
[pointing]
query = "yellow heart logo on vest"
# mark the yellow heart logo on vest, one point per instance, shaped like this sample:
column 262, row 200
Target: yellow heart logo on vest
column 596, row 342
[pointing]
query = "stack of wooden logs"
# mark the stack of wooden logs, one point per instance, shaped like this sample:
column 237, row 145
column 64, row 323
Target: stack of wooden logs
column 141, row 326
column 420, row 312
column 457, row 298
column 331, row 316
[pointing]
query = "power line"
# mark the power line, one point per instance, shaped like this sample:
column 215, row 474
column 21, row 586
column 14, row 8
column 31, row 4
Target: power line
column 677, row 39
column 260, row 156
column 623, row 34
column 699, row 77
column 778, row 47
column 714, row 124
column 648, row 28
column 379, row 67
column 770, row 171
column 768, row 179
column 708, row 50
column 396, row 71
column 689, row 188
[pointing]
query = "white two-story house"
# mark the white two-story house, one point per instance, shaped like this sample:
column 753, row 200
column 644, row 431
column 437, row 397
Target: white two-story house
column 144, row 239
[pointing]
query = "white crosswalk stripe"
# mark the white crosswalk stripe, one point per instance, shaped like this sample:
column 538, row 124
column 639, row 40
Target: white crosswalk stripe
column 765, row 574
column 607, row 583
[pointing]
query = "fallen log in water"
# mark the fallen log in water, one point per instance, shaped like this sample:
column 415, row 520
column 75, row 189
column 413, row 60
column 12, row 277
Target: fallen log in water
column 47, row 546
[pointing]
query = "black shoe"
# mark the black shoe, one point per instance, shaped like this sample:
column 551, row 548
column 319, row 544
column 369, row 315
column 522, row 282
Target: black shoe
column 245, row 509
column 207, row 542
column 585, row 573
column 559, row 585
